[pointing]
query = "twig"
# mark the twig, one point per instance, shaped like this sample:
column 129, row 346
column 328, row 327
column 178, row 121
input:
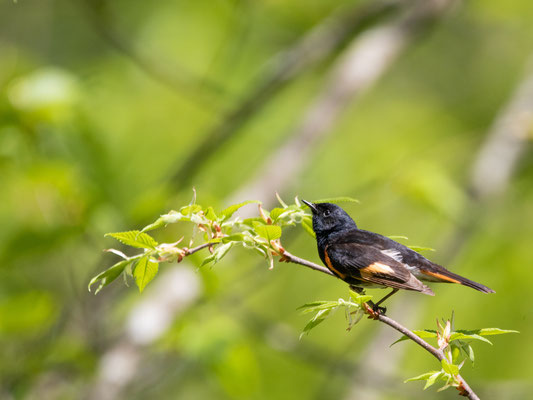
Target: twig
column 322, row 41
column 188, row 252
column 205, row 92
column 365, row 60
column 464, row 388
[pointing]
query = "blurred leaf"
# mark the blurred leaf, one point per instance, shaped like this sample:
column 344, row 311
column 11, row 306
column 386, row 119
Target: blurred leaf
column 135, row 239
column 307, row 224
column 48, row 93
column 210, row 214
column 27, row 313
column 190, row 209
column 109, row 275
column 398, row 237
column 420, row 248
column 342, row 199
column 283, row 204
column 144, row 271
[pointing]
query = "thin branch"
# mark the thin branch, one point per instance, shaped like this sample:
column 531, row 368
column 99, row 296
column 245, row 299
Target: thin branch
column 464, row 388
column 205, row 92
column 365, row 60
column 288, row 257
column 319, row 43
column 188, row 252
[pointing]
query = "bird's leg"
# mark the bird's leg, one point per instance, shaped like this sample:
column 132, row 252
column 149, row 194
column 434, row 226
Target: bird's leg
column 372, row 307
column 383, row 310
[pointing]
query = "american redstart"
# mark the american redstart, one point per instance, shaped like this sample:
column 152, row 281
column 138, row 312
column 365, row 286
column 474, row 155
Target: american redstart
column 367, row 259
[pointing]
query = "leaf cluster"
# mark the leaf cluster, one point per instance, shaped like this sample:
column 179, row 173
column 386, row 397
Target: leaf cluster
column 220, row 231
column 456, row 347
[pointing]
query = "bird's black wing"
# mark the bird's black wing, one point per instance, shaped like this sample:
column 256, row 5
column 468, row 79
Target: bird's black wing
column 354, row 262
column 428, row 270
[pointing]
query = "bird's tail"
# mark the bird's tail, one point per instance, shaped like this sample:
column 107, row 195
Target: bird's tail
column 474, row 285
column 447, row 276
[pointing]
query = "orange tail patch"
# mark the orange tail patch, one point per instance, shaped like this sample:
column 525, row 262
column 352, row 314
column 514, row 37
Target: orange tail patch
column 440, row 276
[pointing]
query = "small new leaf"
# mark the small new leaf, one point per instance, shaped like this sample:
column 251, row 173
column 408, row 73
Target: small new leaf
column 109, row 275
column 426, row 333
column 135, row 239
column 318, row 306
column 422, row 377
column 145, row 270
column 217, row 255
column 449, row 368
column 317, row 319
column 432, row 379
column 337, row 200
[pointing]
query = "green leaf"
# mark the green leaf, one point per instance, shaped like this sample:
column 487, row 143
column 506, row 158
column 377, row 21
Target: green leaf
column 109, row 275
column 422, row 377
column 159, row 223
column 426, row 333
column 491, row 331
column 218, row 253
column 317, row 306
column 462, row 336
column 359, row 298
column 420, row 248
column 307, row 224
column 337, row 200
column 236, row 237
column 283, row 204
column 432, row 379
column 269, row 232
column 135, row 239
column 190, row 209
column 228, row 212
column 145, row 270
column 397, row 237
column 210, row 214
column 317, row 319
column 276, row 212
column 449, row 368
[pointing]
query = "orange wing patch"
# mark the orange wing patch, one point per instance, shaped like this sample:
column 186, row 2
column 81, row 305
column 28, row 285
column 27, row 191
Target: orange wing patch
column 377, row 268
column 330, row 265
column 439, row 276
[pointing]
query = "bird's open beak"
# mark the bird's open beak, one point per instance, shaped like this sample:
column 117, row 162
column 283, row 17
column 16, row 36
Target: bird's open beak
column 311, row 206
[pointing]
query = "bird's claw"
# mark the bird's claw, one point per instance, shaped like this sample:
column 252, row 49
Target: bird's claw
column 374, row 311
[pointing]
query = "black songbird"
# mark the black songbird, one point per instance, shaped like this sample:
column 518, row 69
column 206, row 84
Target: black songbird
column 367, row 259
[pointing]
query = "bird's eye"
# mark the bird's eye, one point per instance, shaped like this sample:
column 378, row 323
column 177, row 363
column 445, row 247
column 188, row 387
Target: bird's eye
column 326, row 213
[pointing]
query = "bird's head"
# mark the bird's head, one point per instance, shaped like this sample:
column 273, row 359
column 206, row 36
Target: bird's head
column 329, row 218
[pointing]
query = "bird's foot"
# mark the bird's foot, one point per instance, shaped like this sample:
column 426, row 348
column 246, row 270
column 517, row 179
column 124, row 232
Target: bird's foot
column 374, row 311
column 379, row 310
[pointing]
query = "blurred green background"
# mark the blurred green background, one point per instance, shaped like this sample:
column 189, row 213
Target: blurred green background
column 103, row 103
